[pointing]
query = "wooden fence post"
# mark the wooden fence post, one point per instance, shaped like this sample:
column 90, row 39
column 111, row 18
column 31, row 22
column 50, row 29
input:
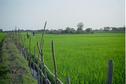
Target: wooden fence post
column 39, row 79
column 110, row 71
column 33, row 61
column 54, row 61
column 41, row 45
column 68, row 80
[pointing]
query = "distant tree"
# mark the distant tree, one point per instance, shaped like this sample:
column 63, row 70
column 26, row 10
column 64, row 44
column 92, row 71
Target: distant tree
column 119, row 29
column 107, row 29
column 80, row 27
column 88, row 30
column 114, row 29
column 69, row 30
column 60, row 31
column 53, row 31
column 122, row 29
column 1, row 30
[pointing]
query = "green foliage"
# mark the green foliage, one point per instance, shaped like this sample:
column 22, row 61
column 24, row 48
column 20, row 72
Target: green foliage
column 84, row 57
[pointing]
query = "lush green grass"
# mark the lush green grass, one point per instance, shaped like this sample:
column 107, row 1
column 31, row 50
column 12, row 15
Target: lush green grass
column 2, row 35
column 84, row 57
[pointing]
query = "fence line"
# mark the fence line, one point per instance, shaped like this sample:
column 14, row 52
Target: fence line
column 36, row 65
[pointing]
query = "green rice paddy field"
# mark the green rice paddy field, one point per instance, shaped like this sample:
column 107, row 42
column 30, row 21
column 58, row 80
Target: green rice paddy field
column 84, row 57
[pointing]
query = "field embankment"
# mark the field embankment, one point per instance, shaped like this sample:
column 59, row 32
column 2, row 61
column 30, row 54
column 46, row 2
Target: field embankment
column 14, row 68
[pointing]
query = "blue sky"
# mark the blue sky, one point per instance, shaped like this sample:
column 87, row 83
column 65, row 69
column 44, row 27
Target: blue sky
column 31, row 14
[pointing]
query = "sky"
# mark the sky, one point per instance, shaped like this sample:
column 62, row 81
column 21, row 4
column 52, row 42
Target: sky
column 59, row 14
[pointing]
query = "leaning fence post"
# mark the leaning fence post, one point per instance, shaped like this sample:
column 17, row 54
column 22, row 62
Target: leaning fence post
column 68, row 80
column 39, row 77
column 54, row 62
column 33, row 62
column 110, row 71
column 30, row 52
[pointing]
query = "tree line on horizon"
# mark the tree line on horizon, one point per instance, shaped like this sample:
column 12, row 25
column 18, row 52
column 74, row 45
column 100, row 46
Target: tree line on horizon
column 80, row 30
